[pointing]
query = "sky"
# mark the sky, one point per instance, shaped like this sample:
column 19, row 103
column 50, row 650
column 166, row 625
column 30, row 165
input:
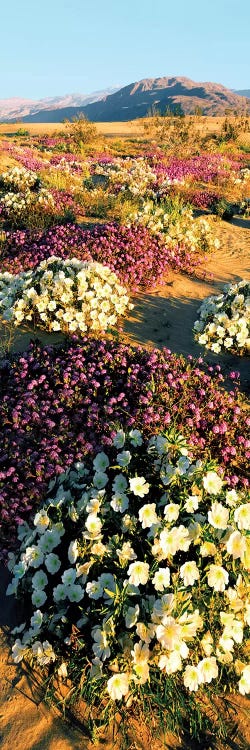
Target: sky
column 55, row 47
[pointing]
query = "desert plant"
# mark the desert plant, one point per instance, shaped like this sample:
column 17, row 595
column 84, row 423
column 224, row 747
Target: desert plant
column 134, row 575
column 80, row 131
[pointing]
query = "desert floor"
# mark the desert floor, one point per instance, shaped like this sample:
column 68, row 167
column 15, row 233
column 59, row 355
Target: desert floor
column 131, row 129
column 163, row 317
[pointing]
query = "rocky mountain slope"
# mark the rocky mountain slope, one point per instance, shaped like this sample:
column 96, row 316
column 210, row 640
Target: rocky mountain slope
column 178, row 94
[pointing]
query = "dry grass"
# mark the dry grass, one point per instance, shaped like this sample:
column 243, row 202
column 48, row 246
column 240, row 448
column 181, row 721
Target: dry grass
column 130, row 129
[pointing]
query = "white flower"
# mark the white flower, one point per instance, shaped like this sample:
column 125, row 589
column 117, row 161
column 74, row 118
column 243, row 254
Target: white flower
column 242, row 517
column 124, row 458
column 244, row 683
column 33, row 556
column 208, row 549
column 171, row 663
column 189, row 573
column 94, row 589
column 41, row 521
column 44, row 653
column 119, row 502
column 39, row 580
column 38, row 597
column 119, row 484
column 148, row 515
column 12, row 587
column 119, row 439
column 138, row 573
column 101, row 647
column 226, row 643
column 168, row 543
column 218, row 516
column 108, row 584
column 75, row 593
column 100, row 479
column 169, row 632
column 18, row 651
column 231, row 498
column 208, row 669
column 62, row 670
column 212, row 483
column 118, row 686
column 145, row 632
column 191, row 503
column 60, row 592
column 161, row 579
column 52, row 562
column 20, row 569
column 207, row 643
column 49, row 540
column 101, row 462
column 69, row 576
column 139, row 486
column 93, row 525
column 125, row 554
column 172, row 511
column 233, row 629
column 217, row 577
column 135, row 437
column 236, row 545
column 73, row 551
column 36, row 619
column 191, row 677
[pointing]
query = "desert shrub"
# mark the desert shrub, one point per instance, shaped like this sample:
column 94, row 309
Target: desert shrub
column 80, row 131
column 59, row 404
column 176, row 222
column 63, row 295
column 133, row 253
column 224, row 320
column 134, row 576
column 223, row 208
column 22, row 250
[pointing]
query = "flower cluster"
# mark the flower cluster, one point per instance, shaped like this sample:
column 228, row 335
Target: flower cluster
column 223, row 323
column 20, row 179
column 201, row 198
column 143, row 554
column 178, row 224
column 67, row 163
column 26, row 156
column 212, row 168
column 23, row 250
column 64, row 295
column 137, row 256
column 134, row 176
column 59, row 403
column 15, row 205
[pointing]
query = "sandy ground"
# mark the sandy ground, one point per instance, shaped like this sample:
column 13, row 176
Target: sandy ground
column 131, row 129
column 163, row 317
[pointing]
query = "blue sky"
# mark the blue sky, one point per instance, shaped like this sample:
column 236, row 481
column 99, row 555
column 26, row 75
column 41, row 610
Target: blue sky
column 54, row 47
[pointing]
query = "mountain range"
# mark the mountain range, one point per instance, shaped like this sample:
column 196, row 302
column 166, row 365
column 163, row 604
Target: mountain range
column 17, row 108
column 129, row 102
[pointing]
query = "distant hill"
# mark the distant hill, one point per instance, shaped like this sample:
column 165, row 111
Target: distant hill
column 139, row 98
column 244, row 92
column 16, row 108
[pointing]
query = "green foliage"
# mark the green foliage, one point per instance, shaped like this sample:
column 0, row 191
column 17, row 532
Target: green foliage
column 223, row 208
column 22, row 132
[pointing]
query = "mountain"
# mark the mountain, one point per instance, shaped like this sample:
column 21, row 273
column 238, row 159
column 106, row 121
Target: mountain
column 243, row 92
column 139, row 98
column 17, row 108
